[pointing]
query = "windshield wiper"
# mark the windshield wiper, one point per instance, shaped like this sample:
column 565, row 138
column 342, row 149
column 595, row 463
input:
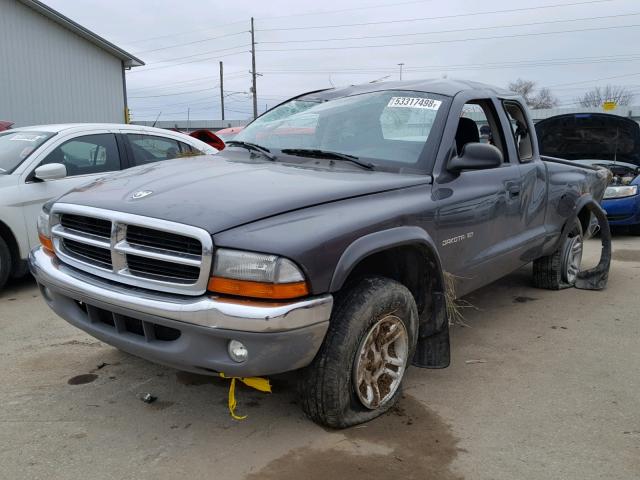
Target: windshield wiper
column 313, row 152
column 254, row 147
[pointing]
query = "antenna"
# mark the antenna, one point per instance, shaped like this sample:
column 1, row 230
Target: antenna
column 156, row 120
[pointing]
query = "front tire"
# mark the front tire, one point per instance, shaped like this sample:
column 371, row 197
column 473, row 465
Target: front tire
column 357, row 373
column 560, row 269
column 6, row 264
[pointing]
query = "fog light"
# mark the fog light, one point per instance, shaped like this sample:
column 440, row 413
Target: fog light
column 237, row 351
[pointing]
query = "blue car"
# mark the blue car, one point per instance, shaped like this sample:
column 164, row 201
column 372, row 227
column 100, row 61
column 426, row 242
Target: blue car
column 605, row 140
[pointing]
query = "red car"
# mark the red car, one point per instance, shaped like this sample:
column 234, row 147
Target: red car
column 227, row 134
column 208, row 137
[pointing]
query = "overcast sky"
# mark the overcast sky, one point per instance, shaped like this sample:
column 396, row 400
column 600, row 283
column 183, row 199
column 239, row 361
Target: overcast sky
column 303, row 46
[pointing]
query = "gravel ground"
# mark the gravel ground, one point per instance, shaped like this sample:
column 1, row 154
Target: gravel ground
column 543, row 385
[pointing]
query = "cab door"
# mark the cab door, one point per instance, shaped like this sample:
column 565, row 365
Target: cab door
column 86, row 156
column 478, row 211
column 521, row 145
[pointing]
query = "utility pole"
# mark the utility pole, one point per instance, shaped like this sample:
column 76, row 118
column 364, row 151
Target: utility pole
column 253, row 71
column 400, row 65
column 221, row 91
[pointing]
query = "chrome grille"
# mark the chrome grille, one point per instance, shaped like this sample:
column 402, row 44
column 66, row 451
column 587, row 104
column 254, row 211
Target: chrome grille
column 80, row 223
column 132, row 249
column 169, row 241
column 88, row 252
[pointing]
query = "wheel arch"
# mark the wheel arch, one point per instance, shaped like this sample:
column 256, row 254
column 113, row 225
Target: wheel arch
column 11, row 241
column 408, row 255
column 595, row 278
column 584, row 212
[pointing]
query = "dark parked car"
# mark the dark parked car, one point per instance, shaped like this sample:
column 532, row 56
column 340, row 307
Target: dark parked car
column 605, row 140
column 320, row 240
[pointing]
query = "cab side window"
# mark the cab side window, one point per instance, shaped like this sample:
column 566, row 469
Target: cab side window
column 520, row 130
column 478, row 124
column 151, row 148
column 87, row 155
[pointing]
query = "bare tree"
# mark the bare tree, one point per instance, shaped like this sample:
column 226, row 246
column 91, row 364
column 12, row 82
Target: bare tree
column 610, row 93
column 524, row 88
column 527, row 89
column 544, row 99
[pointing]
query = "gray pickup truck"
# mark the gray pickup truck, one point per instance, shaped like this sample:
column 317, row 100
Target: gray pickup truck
column 328, row 237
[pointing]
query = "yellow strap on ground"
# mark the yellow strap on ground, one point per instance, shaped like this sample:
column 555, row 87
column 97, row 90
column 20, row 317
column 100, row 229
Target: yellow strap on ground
column 261, row 384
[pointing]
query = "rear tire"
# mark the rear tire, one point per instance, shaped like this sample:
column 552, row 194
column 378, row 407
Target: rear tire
column 357, row 373
column 6, row 264
column 560, row 269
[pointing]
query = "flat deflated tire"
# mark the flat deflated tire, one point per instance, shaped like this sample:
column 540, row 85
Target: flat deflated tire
column 560, row 269
column 5, row 263
column 357, row 373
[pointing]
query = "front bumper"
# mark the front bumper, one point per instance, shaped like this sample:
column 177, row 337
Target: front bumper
column 187, row 333
column 623, row 211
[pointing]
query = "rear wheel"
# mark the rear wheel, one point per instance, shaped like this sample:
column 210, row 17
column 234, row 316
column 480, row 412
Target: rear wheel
column 357, row 374
column 6, row 263
column 560, row 269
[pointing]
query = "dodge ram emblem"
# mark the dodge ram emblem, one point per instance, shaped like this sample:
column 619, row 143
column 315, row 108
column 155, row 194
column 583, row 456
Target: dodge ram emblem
column 141, row 194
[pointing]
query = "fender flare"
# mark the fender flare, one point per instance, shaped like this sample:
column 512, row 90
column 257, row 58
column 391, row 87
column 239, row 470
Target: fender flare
column 433, row 348
column 377, row 242
column 595, row 278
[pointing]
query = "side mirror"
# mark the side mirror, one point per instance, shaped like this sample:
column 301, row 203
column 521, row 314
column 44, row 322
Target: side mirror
column 51, row 171
column 476, row 156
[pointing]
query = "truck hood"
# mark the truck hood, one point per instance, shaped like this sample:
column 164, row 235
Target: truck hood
column 602, row 136
column 230, row 189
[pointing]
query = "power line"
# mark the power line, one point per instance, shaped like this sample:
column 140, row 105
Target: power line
column 497, row 65
column 193, row 101
column 179, row 93
column 182, row 57
column 164, row 85
column 493, row 37
column 510, row 10
column 138, row 70
column 174, row 34
column 593, row 80
column 453, row 30
column 324, row 12
column 193, row 82
column 190, row 43
column 368, row 7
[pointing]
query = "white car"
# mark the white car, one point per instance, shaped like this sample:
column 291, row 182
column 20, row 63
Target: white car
column 43, row 162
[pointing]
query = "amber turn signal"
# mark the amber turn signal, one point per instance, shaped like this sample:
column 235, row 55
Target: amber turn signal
column 243, row 288
column 46, row 242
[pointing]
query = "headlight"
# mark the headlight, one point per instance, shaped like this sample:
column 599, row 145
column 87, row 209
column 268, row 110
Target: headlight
column 620, row 191
column 256, row 275
column 44, row 230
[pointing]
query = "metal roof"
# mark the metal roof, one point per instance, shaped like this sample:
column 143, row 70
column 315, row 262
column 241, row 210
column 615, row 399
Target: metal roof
column 128, row 59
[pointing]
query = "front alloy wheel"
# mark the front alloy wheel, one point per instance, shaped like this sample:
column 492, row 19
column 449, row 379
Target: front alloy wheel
column 357, row 373
column 381, row 362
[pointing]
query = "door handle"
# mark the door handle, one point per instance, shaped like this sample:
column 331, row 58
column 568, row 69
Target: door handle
column 514, row 191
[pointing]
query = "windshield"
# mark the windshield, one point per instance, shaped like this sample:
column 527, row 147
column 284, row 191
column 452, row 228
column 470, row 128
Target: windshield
column 389, row 128
column 16, row 146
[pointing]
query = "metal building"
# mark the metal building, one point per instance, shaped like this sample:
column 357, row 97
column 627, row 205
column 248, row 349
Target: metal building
column 56, row 71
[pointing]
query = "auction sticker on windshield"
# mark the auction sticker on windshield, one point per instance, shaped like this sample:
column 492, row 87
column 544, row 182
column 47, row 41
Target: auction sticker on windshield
column 414, row 102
